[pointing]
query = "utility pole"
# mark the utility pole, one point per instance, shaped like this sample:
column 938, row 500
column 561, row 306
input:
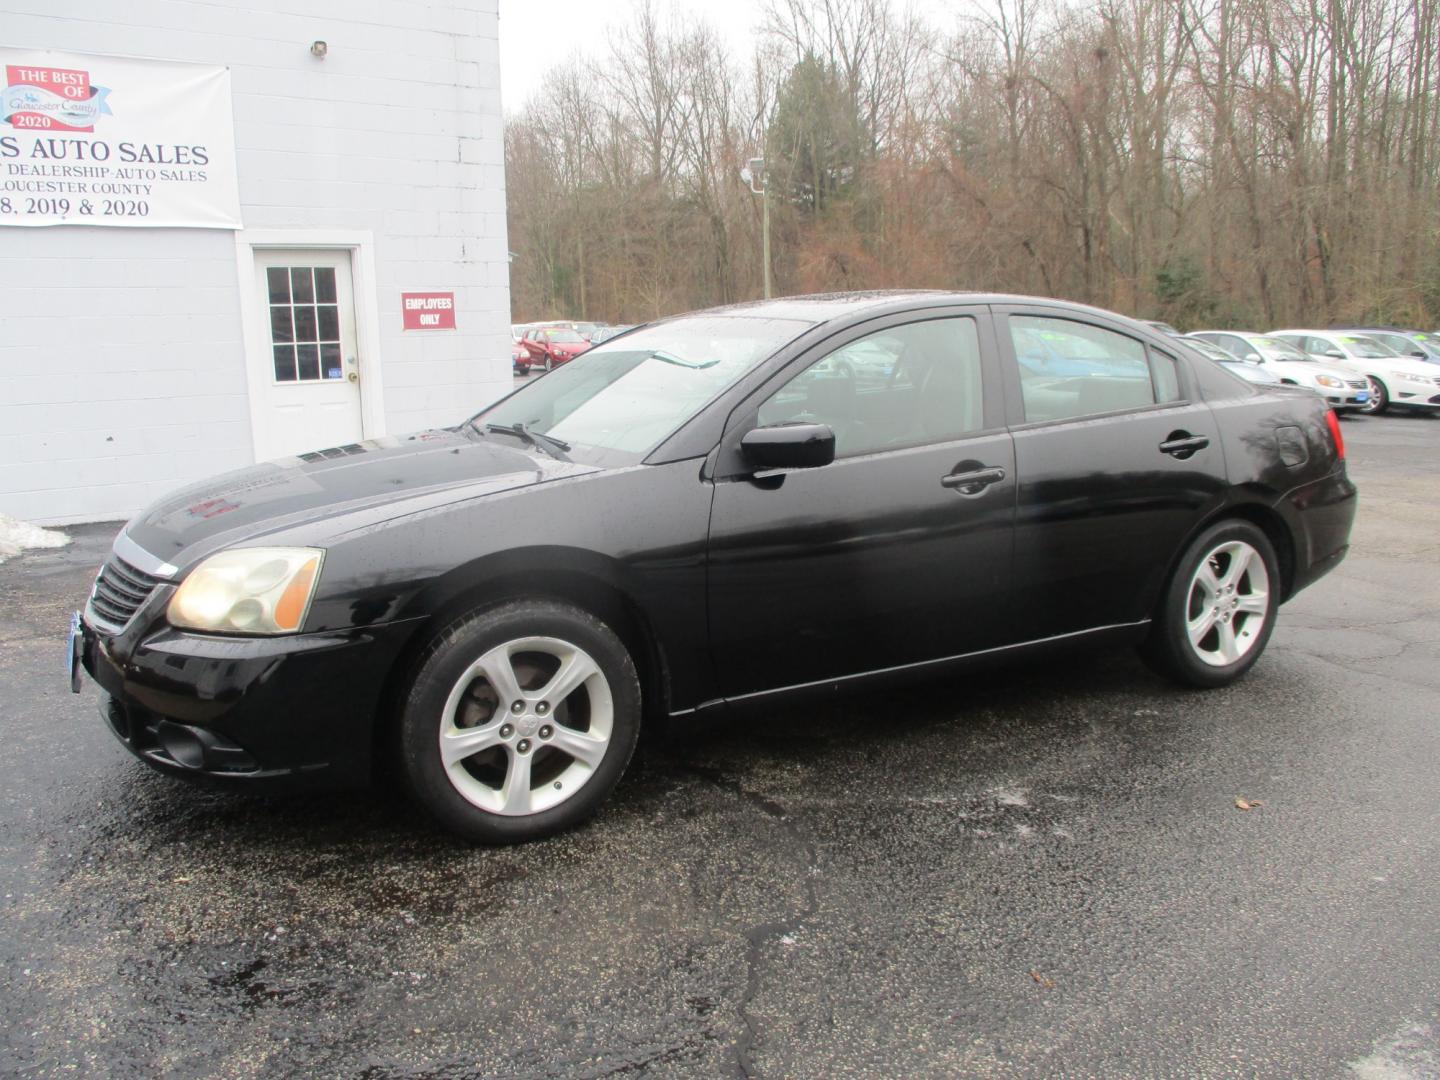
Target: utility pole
column 753, row 173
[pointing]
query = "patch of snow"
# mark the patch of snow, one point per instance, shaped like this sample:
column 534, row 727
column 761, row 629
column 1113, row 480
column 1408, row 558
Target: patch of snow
column 16, row 536
column 1413, row 1053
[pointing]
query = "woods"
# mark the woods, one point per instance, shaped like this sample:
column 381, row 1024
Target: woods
column 1215, row 162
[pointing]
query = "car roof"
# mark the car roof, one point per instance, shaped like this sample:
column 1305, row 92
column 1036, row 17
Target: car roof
column 822, row 307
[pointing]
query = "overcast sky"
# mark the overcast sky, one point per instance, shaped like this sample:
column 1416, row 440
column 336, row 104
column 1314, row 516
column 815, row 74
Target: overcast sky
column 538, row 34
column 535, row 35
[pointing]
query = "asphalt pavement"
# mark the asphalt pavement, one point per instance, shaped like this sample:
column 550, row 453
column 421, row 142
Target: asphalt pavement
column 1040, row 871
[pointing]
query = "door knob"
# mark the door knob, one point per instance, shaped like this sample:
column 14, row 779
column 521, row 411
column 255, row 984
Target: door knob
column 974, row 481
column 1182, row 445
column 353, row 377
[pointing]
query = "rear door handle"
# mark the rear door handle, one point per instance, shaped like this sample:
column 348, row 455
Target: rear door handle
column 1182, row 444
column 973, row 482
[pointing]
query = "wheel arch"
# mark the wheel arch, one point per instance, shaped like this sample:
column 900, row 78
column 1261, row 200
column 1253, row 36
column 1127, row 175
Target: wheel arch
column 1264, row 517
column 589, row 581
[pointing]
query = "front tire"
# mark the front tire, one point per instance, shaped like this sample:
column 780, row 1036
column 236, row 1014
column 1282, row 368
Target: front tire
column 1379, row 398
column 1219, row 607
column 519, row 721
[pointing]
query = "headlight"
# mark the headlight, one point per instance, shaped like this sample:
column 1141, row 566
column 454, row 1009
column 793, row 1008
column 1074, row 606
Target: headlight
column 1405, row 376
column 1330, row 380
column 248, row 591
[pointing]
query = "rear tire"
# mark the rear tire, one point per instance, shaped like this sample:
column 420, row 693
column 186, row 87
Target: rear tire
column 519, row 722
column 1219, row 607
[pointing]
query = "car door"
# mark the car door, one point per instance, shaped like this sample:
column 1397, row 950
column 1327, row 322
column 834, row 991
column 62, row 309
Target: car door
column 1114, row 468
column 896, row 553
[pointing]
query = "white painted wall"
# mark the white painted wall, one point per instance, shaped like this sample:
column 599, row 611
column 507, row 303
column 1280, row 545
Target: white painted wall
column 122, row 363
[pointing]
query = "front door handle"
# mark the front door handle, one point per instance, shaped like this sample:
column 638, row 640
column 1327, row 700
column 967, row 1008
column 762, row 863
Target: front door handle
column 973, row 482
column 1181, row 444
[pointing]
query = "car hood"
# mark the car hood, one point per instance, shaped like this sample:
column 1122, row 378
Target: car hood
column 1307, row 369
column 1406, row 364
column 392, row 476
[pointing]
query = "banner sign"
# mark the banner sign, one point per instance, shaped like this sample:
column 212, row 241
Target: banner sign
column 428, row 310
column 107, row 140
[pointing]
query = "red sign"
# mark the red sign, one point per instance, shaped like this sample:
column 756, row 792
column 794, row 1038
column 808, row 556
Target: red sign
column 428, row 310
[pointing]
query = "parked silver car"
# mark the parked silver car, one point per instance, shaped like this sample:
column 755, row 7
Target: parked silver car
column 1344, row 390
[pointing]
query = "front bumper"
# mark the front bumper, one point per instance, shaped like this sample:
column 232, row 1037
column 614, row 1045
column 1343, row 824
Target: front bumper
column 1346, row 399
column 298, row 709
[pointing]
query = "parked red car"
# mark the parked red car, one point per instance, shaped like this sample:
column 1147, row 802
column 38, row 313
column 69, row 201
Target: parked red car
column 519, row 358
column 552, row 346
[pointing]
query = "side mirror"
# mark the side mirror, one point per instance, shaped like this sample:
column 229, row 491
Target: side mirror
column 1333, row 354
column 789, row 446
column 1253, row 358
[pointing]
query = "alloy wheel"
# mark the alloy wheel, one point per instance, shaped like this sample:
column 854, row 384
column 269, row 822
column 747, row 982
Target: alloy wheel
column 1228, row 603
column 1377, row 399
column 526, row 726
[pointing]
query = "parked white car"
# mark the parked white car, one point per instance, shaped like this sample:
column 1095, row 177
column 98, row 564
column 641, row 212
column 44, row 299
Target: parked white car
column 1415, row 344
column 1395, row 381
column 1344, row 390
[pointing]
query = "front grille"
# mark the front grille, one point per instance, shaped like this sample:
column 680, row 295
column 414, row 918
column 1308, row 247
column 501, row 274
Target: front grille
column 120, row 590
column 1356, row 384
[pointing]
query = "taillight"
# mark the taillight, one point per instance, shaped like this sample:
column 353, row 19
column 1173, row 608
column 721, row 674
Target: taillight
column 1334, row 422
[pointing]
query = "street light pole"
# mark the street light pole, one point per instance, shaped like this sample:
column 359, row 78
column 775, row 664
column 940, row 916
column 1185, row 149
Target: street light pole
column 753, row 172
column 765, row 231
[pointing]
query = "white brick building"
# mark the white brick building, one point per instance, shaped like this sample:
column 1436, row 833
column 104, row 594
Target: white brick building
column 133, row 360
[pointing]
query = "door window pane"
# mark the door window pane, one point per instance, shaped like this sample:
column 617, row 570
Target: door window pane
column 305, row 329
column 330, row 362
column 307, row 359
column 302, row 284
column 284, row 363
column 325, row 284
column 282, row 323
column 278, row 278
column 904, row 386
column 1070, row 369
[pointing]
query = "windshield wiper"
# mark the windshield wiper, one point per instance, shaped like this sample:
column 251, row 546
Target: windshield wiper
column 557, row 448
column 666, row 358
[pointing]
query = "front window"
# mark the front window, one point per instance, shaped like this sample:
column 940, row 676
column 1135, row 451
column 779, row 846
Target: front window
column 618, row 401
column 563, row 337
column 907, row 385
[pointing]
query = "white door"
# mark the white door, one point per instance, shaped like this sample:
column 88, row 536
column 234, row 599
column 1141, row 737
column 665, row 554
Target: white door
column 311, row 399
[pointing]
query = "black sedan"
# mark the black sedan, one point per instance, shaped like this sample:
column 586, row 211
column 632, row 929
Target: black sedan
column 705, row 513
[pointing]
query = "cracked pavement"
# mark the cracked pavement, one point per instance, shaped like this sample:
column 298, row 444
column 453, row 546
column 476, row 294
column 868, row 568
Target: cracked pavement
column 1036, row 871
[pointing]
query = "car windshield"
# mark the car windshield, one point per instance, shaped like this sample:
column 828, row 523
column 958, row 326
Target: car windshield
column 1367, row 348
column 1401, row 344
column 1205, row 348
column 618, row 401
column 1280, row 350
column 562, row 337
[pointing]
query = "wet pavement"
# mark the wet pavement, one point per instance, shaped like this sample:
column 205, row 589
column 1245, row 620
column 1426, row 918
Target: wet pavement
column 1039, row 871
